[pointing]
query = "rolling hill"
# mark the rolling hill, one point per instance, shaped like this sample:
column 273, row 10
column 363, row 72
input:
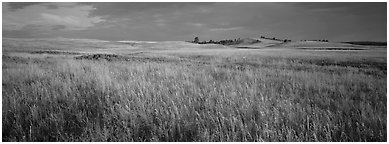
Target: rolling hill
column 257, row 43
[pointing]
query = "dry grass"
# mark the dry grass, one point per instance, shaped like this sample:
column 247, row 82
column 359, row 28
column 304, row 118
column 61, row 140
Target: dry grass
column 194, row 98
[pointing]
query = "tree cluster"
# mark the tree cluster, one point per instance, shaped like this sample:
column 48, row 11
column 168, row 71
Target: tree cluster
column 222, row 42
column 316, row 40
column 274, row 38
column 233, row 41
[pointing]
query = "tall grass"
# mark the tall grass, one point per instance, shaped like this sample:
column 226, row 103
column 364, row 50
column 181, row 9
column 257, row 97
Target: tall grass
column 224, row 100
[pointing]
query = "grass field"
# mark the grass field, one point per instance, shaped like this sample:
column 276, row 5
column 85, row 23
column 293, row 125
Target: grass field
column 191, row 94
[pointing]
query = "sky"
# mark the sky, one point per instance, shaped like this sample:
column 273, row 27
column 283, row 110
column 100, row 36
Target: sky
column 168, row 21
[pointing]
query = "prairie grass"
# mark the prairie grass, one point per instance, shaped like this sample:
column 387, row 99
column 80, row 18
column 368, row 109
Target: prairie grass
column 197, row 99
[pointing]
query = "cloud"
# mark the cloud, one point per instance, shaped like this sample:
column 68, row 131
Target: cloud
column 119, row 9
column 226, row 29
column 71, row 22
column 67, row 20
column 204, row 10
column 71, row 16
column 160, row 22
column 196, row 24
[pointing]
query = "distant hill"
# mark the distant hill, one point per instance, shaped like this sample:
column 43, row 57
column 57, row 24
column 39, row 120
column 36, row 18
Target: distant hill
column 369, row 43
column 16, row 44
column 171, row 45
column 257, row 43
column 315, row 44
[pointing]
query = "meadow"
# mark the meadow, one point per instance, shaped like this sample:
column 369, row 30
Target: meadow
column 213, row 95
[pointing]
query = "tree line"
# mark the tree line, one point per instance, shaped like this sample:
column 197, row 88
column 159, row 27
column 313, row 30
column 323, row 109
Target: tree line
column 238, row 41
column 223, row 42
column 232, row 41
column 317, row 40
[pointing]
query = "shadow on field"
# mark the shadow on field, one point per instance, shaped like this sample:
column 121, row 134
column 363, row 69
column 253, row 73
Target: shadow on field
column 55, row 52
column 333, row 48
column 310, row 65
column 356, row 64
column 131, row 58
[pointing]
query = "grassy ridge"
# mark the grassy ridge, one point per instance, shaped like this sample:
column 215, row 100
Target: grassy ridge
column 220, row 99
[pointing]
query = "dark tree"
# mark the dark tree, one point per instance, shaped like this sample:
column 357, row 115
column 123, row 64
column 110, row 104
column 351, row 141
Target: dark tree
column 196, row 40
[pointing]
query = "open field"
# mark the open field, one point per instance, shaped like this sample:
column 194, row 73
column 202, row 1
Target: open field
column 86, row 90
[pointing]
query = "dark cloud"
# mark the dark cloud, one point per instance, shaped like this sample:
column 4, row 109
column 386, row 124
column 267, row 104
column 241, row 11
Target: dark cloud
column 347, row 5
column 125, row 8
column 58, row 27
column 30, row 31
column 13, row 6
column 52, row 6
column 17, row 34
column 348, row 20
column 350, row 7
column 21, row 5
column 40, row 28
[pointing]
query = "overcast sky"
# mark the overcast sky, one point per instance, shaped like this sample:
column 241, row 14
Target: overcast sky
column 184, row 21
